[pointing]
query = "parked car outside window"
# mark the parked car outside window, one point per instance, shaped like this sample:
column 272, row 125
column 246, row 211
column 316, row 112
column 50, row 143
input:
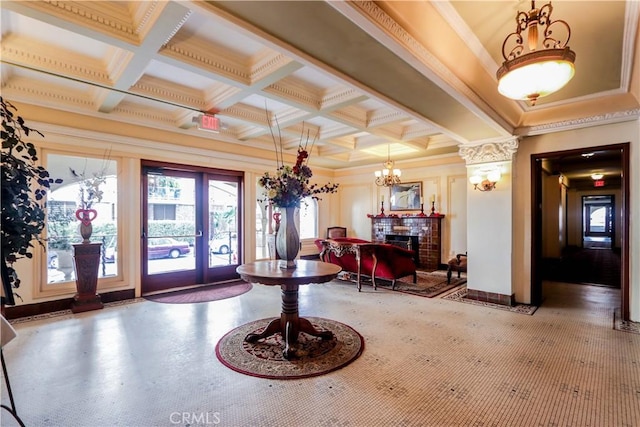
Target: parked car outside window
column 166, row 247
column 223, row 243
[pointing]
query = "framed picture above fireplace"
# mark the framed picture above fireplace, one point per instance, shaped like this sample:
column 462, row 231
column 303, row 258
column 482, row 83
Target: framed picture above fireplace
column 406, row 196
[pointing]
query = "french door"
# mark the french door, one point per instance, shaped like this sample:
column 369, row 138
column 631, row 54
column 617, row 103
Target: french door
column 191, row 231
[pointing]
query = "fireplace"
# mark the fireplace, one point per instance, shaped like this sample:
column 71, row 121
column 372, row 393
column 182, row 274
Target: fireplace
column 427, row 229
column 411, row 243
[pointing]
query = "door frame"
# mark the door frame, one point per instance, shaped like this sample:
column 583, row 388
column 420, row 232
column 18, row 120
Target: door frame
column 536, row 220
column 204, row 275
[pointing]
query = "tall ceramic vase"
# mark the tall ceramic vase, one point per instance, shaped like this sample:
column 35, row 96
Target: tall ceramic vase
column 287, row 238
column 86, row 229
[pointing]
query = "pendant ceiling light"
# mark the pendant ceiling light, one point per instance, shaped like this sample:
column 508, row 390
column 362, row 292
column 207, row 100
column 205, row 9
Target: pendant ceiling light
column 529, row 74
column 388, row 176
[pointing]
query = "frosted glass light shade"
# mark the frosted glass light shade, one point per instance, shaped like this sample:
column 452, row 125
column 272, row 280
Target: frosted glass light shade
column 536, row 74
column 475, row 179
column 494, row 176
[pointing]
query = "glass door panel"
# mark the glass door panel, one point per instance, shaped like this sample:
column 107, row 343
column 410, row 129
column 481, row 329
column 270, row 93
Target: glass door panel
column 223, row 223
column 170, row 233
column 191, row 226
column 171, row 224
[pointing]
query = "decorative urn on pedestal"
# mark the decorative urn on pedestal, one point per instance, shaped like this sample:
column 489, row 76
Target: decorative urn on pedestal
column 87, row 260
column 87, row 254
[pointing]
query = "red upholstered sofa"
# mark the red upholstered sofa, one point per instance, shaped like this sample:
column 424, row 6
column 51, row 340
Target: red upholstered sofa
column 375, row 260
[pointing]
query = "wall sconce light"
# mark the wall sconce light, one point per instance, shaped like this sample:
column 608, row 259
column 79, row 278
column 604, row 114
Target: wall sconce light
column 485, row 181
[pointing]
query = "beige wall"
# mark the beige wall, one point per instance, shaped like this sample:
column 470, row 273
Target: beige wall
column 489, row 225
column 574, row 139
column 357, row 196
column 444, row 176
column 552, row 215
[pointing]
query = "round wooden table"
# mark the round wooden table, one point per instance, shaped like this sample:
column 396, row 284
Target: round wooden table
column 290, row 324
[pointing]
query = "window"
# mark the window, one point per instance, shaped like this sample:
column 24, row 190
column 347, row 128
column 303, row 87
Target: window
column 308, row 218
column 163, row 212
column 62, row 224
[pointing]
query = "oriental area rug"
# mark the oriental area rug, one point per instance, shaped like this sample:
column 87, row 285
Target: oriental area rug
column 428, row 284
column 203, row 293
column 460, row 295
column 264, row 358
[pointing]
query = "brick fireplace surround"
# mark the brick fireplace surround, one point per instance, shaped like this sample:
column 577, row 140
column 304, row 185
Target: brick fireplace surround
column 427, row 229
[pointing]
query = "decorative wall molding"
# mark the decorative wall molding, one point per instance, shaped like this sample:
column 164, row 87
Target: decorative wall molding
column 597, row 120
column 489, row 152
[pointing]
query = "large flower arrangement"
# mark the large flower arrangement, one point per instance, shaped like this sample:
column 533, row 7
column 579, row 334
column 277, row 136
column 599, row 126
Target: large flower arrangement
column 290, row 184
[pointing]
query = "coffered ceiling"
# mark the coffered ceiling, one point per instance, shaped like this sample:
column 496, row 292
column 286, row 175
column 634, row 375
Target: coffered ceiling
column 417, row 77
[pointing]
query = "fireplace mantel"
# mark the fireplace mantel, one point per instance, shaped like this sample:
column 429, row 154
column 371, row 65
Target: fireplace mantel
column 428, row 229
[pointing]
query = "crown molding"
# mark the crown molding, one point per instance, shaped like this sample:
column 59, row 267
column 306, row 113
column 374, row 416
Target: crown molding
column 34, row 55
column 489, row 152
column 208, row 59
column 162, row 89
column 105, row 17
column 564, row 125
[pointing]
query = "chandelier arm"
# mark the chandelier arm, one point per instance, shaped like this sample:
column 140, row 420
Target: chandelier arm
column 544, row 14
column 556, row 43
column 517, row 49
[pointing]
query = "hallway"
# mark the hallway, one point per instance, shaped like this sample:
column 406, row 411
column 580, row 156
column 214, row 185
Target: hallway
column 593, row 265
column 427, row 362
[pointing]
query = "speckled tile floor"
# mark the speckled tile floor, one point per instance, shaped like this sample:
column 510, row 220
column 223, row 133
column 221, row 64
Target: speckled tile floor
column 427, row 362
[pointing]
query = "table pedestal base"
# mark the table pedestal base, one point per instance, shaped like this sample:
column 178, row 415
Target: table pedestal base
column 289, row 325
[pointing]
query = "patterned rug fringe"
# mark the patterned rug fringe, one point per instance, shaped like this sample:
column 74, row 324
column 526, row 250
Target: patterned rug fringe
column 264, row 358
column 461, row 293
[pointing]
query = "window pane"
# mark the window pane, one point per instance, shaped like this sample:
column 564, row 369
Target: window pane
column 62, row 202
column 264, row 230
column 308, row 218
column 223, row 223
column 171, row 223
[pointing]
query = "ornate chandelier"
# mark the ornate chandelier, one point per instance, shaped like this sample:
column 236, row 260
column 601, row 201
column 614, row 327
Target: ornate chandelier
column 538, row 72
column 388, row 176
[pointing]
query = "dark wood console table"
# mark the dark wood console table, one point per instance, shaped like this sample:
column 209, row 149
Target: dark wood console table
column 290, row 324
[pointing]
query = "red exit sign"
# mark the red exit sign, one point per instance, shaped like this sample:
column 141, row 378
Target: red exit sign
column 598, row 183
column 208, row 122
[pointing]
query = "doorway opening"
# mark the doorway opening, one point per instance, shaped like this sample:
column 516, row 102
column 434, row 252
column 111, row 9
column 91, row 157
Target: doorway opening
column 191, row 226
column 594, row 221
column 598, row 230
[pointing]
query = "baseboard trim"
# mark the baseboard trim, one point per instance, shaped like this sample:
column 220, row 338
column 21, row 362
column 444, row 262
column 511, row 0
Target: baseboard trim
column 17, row 311
column 491, row 297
